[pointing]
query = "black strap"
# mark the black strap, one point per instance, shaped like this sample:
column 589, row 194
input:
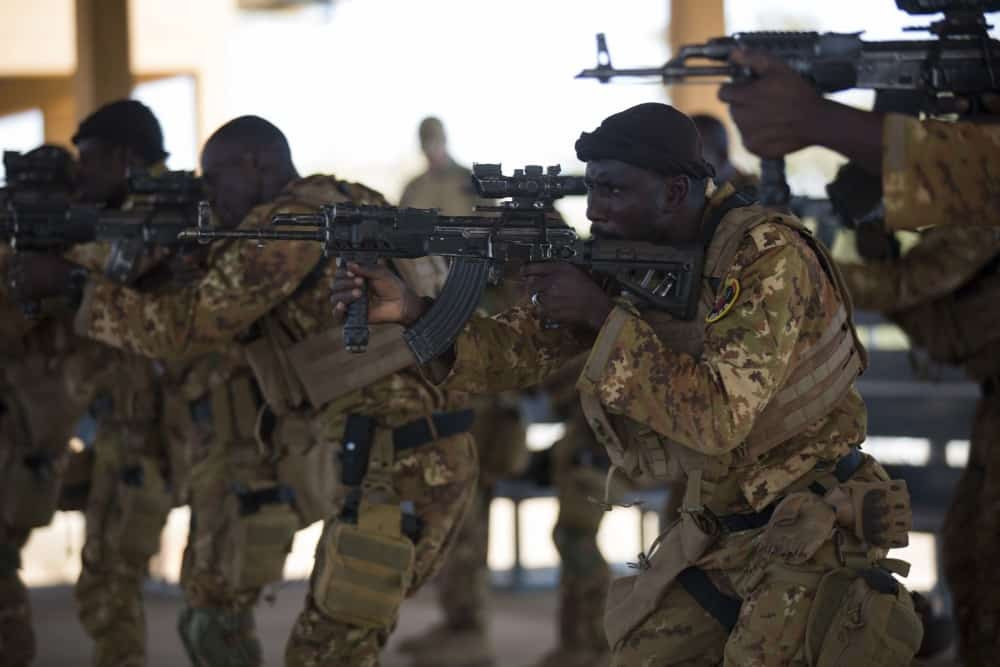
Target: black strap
column 723, row 608
column 418, row 432
column 252, row 501
column 843, row 471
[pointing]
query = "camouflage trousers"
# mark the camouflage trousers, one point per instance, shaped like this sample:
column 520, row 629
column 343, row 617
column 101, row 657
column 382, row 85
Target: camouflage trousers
column 127, row 507
column 17, row 636
column 971, row 541
column 439, row 479
column 463, row 582
column 232, row 553
column 776, row 572
column 584, row 575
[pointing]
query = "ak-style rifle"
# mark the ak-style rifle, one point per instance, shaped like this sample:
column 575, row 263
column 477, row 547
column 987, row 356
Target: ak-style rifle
column 523, row 227
column 920, row 76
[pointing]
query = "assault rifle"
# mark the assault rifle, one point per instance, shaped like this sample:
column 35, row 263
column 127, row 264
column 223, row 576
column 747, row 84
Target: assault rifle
column 523, row 228
column 39, row 217
column 921, row 76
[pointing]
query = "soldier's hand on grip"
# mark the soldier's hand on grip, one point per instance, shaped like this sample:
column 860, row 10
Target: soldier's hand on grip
column 777, row 110
column 389, row 298
column 566, row 295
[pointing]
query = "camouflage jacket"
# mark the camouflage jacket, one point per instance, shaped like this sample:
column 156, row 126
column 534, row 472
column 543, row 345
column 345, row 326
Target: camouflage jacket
column 939, row 173
column 942, row 294
column 243, row 283
column 707, row 403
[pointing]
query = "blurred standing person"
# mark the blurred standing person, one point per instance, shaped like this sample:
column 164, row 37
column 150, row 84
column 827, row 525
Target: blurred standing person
column 462, row 638
column 715, row 148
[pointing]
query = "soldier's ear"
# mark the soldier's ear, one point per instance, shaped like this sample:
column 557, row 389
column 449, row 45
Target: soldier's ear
column 675, row 192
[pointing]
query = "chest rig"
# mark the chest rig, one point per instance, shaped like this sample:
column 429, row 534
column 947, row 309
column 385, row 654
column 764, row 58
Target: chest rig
column 819, row 376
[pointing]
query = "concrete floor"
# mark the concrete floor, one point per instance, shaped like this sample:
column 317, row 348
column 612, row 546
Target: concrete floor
column 523, row 627
column 523, row 631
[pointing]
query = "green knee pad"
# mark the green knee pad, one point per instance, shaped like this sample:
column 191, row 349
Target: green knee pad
column 219, row 637
column 10, row 559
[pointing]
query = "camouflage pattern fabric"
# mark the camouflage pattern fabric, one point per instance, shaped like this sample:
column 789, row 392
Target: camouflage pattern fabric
column 463, row 583
column 584, row 575
column 707, row 404
column 939, row 173
column 439, row 478
column 286, row 281
column 123, row 526
column 917, row 291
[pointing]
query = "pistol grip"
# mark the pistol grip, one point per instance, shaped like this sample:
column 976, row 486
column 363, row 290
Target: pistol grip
column 774, row 190
column 356, row 322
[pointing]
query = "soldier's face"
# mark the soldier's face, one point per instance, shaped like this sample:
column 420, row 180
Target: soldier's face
column 633, row 204
column 103, row 172
column 232, row 182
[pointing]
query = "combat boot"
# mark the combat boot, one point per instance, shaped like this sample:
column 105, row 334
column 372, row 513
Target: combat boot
column 457, row 648
column 565, row 657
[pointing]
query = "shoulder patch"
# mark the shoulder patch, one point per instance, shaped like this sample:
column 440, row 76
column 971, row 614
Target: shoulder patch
column 725, row 301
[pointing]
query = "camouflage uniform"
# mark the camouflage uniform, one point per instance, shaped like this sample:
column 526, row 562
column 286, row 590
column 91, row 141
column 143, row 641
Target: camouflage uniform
column 44, row 388
column 939, row 173
column 943, row 294
column 463, row 584
column 579, row 466
column 282, row 290
column 708, row 415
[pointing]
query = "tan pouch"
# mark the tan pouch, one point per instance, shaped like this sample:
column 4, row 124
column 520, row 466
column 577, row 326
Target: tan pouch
column 364, row 573
column 144, row 507
column 852, row 623
column 632, row 599
column 31, row 491
column 266, row 356
column 309, row 467
column 262, row 541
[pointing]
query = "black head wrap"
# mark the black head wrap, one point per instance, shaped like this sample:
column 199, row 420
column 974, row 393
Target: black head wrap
column 127, row 123
column 650, row 136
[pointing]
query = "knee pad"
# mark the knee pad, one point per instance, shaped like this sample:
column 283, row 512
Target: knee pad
column 219, row 637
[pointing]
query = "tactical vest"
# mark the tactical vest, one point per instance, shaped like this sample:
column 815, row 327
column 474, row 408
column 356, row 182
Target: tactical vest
column 318, row 369
column 819, row 377
column 960, row 328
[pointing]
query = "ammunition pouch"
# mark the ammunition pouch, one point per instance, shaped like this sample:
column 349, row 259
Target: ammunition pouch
column 862, row 617
column 264, row 526
column 143, row 500
column 30, row 492
column 365, row 569
column 308, row 466
column 365, row 562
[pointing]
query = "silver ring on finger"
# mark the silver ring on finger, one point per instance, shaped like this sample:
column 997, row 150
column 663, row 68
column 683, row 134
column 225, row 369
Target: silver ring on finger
column 536, row 299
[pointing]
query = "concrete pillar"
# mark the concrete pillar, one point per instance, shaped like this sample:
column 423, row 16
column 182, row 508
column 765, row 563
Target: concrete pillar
column 103, row 62
column 693, row 21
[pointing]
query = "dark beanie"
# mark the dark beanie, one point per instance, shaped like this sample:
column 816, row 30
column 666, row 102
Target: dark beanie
column 650, row 136
column 126, row 123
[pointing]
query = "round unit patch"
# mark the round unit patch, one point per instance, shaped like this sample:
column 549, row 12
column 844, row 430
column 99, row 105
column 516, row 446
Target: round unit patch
column 726, row 300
